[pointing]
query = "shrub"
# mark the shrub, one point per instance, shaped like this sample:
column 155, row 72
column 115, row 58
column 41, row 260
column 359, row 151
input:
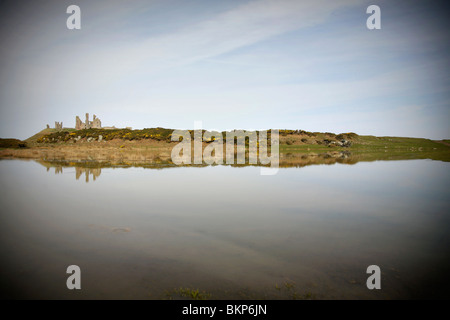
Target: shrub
column 12, row 143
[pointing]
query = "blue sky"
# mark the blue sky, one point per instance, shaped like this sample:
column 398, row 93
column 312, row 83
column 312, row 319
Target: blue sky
column 259, row 64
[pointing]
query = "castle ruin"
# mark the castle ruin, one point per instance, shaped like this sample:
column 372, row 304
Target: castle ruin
column 95, row 123
column 58, row 125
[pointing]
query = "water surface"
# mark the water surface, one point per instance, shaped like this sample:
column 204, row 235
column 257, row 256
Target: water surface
column 305, row 232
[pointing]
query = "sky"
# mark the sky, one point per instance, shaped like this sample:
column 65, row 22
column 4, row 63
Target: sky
column 258, row 64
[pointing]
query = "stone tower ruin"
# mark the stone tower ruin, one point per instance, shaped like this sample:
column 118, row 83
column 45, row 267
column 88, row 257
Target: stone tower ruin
column 95, row 123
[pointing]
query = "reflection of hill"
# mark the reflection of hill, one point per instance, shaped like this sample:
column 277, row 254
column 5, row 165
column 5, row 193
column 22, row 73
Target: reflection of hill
column 287, row 160
column 299, row 160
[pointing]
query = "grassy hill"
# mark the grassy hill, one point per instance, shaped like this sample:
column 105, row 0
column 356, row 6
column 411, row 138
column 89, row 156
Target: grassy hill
column 290, row 140
column 34, row 138
column 296, row 146
column 383, row 148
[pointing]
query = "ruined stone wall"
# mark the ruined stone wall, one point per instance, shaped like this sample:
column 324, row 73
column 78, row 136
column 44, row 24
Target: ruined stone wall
column 96, row 123
column 78, row 123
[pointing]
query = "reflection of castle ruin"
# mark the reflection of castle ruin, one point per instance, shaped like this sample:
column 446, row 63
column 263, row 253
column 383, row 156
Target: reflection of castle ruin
column 79, row 171
column 58, row 169
column 95, row 123
column 94, row 171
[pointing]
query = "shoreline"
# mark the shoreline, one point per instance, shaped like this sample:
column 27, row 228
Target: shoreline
column 150, row 145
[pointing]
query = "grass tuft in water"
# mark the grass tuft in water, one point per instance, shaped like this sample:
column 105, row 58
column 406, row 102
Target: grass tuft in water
column 189, row 293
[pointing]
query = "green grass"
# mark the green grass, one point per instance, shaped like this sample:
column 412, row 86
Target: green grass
column 188, row 293
column 33, row 139
column 398, row 143
column 286, row 290
column 379, row 148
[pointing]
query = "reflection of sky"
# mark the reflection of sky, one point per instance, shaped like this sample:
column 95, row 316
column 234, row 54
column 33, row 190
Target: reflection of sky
column 309, row 65
column 307, row 224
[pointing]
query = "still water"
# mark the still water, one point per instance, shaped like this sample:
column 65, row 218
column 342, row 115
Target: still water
column 307, row 232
